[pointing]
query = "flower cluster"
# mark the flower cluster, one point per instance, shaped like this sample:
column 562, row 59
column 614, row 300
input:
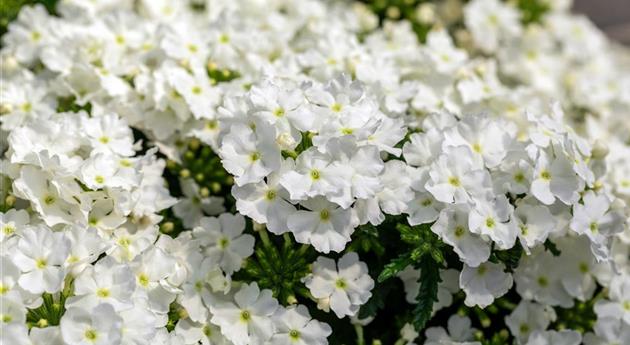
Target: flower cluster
column 254, row 172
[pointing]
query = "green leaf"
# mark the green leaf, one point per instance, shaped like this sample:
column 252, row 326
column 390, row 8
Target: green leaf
column 396, row 265
column 409, row 234
column 377, row 301
column 510, row 257
column 429, row 280
column 550, row 246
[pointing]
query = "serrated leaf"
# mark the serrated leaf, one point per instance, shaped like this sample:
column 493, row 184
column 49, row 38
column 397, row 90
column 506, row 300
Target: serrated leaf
column 429, row 280
column 377, row 301
column 408, row 234
column 396, row 265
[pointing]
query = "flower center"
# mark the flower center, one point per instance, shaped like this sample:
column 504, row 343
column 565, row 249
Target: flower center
column 545, row 175
column 91, row 335
column 324, row 215
column 49, row 200
column 103, row 139
column 271, row 194
column 224, row 242
column 593, row 227
column 99, row 179
column 294, row 334
column 315, row 174
column 41, row 263
column 454, row 181
column 340, row 283
column 543, row 281
column 143, row 280
column 278, row 112
column 459, row 231
column 482, row 270
column 102, row 293
column 583, row 267
column 8, row 229
column 336, row 107
column 490, row 223
column 245, row 316
column 254, row 156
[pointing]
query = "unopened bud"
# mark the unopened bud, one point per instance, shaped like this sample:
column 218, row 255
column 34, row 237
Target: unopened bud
column 9, row 200
column 167, row 227
column 6, row 108
column 425, row 13
column 204, row 192
column 194, row 144
column 291, row 299
column 216, row 187
column 184, row 173
column 600, row 149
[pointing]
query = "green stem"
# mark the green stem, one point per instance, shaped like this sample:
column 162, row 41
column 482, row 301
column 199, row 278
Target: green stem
column 359, row 329
column 264, row 237
column 303, row 249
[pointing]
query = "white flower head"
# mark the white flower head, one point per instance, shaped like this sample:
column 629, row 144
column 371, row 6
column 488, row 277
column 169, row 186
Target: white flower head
column 345, row 285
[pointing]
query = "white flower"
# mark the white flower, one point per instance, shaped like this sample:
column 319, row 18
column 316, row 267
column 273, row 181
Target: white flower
column 344, row 286
column 594, row 219
column 489, row 21
column 250, row 155
column 105, row 282
column 12, row 222
column 535, row 280
column 247, row 320
column 534, row 222
column 493, row 218
column 564, row 337
column 315, row 174
column 452, row 227
column 325, row 226
column 266, row 202
column 555, row 178
column 294, row 325
column 196, row 204
column 528, row 317
column 109, row 134
column 484, row 283
column 152, row 269
column 459, row 331
column 101, row 326
column 456, row 176
column 618, row 303
column 50, row 198
column 224, row 241
column 40, row 255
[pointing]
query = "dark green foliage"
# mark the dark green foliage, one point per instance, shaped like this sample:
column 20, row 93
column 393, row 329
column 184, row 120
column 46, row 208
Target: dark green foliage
column 429, row 280
column 9, row 10
column 395, row 266
column 509, row 258
column 551, row 247
column 279, row 267
column 52, row 308
column 366, row 239
column 532, row 11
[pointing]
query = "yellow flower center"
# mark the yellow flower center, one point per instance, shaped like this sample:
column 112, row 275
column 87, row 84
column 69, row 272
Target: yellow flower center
column 41, row 263
column 91, row 335
column 454, row 181
column 102, row 293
